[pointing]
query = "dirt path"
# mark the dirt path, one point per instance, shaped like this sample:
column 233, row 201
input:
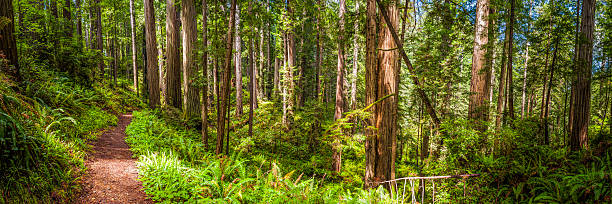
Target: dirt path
column 111, row 170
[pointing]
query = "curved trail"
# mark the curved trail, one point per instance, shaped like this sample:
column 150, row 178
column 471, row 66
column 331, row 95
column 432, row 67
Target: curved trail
column 111, row 170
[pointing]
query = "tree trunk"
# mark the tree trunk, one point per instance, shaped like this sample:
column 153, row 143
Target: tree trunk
column 225, row 89
column 288, row 117
column 337, row 146
column 319, row 56
column 79, row 24
column 255, row 71
column 188, row 20
column 173, row 69
column 523, row 99
column 151, row 44
column 355, row 61
column 205, row 74
column 582, row 88
column 259, row 83
column 114, row 53
column 501, row 97
column 8, row 42
column 98, row 30
column 481, row 74
column 546, row 104
column 381, row 81
column 67, row 18
column 510, row 58
column 238, row 59
column 252, row 82
column 134, row 53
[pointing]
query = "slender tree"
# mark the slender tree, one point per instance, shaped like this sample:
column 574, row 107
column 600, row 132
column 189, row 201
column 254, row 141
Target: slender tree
column 205, row 74
column 289, row 87
column 509, row 69
column 238, row 60
column 355, row 60
column 134, row 52
column 226, row 81
column 337, row 149
column 98, row 31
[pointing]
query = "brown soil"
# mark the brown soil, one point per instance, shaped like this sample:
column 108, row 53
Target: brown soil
column 111, row 170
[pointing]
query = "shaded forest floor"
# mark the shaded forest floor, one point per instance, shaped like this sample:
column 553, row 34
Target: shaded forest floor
column 111, row 171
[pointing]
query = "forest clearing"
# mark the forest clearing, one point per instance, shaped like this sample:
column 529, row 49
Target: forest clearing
column 310, row 101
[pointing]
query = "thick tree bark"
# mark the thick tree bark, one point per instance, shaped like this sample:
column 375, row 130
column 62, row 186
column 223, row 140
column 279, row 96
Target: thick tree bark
column 173, row 62
column 134, row 52
column 151, row 47
column 225, row 89
column 479, row 84
column 238, row 59
column 582, row 89
column 8, row 42
column 381, row 82
column 337, row 148
column 192, row 94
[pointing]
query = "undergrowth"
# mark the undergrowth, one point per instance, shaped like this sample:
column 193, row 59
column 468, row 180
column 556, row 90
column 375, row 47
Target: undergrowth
column 45, row 126
column 175, row 167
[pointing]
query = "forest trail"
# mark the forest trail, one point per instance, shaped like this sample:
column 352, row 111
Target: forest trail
column 111, row 170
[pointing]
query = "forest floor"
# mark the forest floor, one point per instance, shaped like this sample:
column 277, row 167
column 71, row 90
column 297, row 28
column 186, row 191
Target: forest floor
column 111, row 171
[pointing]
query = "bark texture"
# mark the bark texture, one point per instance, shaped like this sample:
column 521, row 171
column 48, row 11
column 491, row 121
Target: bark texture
column 173, row 69
column 190, row 68
column 382, row 74
column 582, row 89
column 151, row 48
column 8, row 42
column 481, row 74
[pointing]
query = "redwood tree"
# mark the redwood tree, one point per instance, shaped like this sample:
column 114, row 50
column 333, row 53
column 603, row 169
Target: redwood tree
column 151, row 48
column 581, row 104
column 481, row 74
column 8, row 43
column 190, row 68
column 337, row 149
column 382, row 73
column 173, row 69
